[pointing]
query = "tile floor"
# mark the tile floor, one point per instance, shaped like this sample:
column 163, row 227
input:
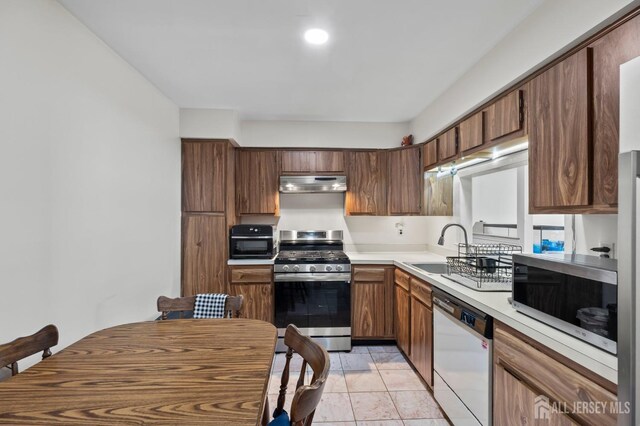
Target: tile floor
column 371, row 386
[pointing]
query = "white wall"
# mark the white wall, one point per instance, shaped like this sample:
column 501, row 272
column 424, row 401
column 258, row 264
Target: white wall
column 209, row 123
column 89, row 180
column 630, row 106
column 551, row 27
column 322, row 134
column 495, row 197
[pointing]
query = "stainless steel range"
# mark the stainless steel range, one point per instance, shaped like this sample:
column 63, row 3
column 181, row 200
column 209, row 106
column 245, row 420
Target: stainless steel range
column 312, row 278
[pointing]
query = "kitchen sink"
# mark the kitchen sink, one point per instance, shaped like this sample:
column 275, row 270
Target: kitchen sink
column 432, row 268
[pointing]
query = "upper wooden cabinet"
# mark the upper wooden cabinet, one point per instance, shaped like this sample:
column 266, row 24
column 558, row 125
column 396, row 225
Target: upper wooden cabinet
column 448, row 145
column 430, row 154
column 203, row 176
column 471, row 134
column 560, row 137
column 405, row 181
column 609, row 52
column 303, row 162
column 372, row 302
column 367, row 183
column 257, row 182
column 506, row 115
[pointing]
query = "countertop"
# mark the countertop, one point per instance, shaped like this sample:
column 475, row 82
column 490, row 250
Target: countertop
column 495, row 304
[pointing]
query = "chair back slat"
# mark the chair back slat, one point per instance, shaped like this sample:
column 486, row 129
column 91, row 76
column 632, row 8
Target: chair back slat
column 165, row 304
column 22, row 347
column 306, row 397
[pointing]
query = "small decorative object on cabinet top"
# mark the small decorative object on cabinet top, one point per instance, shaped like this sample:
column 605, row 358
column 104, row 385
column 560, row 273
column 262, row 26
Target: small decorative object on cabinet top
column 407, row 140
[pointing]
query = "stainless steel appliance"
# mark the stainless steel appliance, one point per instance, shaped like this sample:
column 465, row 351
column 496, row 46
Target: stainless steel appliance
column 577, row 294
column 462, row 360
column 306, row 184
column 252, row 242
column 629, row 278
column 312, row 278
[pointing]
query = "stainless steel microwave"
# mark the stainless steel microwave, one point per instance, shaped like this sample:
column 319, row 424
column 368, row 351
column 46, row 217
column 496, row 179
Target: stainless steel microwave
column 577, row 294
column 252, row 242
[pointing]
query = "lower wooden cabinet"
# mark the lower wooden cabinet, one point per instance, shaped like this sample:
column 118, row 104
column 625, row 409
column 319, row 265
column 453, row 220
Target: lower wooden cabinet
column 402, row 312
column 372, row 302
column 422, row 339
column 255, row 284
column 527, row 375
column 203, row 261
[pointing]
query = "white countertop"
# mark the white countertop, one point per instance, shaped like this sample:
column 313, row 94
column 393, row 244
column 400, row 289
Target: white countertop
column 493, row 303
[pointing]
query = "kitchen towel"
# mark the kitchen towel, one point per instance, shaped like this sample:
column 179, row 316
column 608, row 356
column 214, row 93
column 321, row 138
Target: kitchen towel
column 210, row 305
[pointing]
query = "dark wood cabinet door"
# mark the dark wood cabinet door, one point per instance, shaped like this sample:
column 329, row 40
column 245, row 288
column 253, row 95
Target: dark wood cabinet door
column 329, row 162
column 422, row 339
column 203, row 259
column 471, row 133
column 430, row 154
column 297, row 161
column 401, row 319
column 559, row 136
column 257, row 302
column 515, row 403
column 203, row 176
column 448, row 145
column 367, row 175
column 368, row 309
column 505, row 116
column 257, row 182
column 619, row 46
column 405, row 181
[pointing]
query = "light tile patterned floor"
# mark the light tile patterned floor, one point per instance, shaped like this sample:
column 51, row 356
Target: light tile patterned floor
column 370, row 386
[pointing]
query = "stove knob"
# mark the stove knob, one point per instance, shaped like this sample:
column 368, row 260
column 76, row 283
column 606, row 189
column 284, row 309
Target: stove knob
column 312, row 268
column 296, row 268
column 338, row 268
column 285, row 268
column 328, row 268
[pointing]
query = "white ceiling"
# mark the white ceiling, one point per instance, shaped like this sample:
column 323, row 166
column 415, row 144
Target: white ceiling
column 385, row 61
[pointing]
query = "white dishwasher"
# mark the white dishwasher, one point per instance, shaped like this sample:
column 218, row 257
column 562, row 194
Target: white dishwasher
column 462, row 360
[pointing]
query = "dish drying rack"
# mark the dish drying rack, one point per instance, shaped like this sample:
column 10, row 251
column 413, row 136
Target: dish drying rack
column 485, row 267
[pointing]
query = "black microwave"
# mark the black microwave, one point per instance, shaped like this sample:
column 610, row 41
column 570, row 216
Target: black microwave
column 252, row 242
column 577, row 294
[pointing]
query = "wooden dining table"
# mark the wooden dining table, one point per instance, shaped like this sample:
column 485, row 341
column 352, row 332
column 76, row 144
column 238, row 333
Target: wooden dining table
column 188, row 372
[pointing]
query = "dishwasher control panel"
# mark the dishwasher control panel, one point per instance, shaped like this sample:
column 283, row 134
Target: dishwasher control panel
column 466, row 314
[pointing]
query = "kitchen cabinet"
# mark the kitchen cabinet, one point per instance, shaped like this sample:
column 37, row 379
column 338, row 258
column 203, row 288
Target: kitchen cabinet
column 402, row 311
column 203, row 260
column 203, row 174
column 421, row 329
column 438, row 195
column 559, row 137
column 208, row 210
column 257, row 182
column 506, row 116
column 471, row 133
column 255, row 284
column 312, row 162
column 430, row 154
column 448, row 145
column 524, row 370
column 372, row 302
column 609, row 52
column 367, row 183
column 405, row 181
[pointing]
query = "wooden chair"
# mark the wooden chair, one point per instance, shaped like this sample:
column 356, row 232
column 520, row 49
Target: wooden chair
column 306, row 398
column 22, row 347
column 182, row 304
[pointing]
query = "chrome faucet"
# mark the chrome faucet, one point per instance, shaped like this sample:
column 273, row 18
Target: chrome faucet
column 441, row 239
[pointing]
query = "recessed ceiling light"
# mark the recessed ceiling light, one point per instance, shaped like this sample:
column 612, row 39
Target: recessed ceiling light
column 316, row 36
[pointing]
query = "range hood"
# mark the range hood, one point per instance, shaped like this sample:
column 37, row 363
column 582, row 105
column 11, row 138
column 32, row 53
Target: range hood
column 306, row 184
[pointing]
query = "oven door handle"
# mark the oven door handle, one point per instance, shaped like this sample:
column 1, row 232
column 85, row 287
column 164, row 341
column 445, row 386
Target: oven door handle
column 305, row 277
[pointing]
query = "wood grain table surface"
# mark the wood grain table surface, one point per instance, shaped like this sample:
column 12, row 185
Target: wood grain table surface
column 186, row 372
